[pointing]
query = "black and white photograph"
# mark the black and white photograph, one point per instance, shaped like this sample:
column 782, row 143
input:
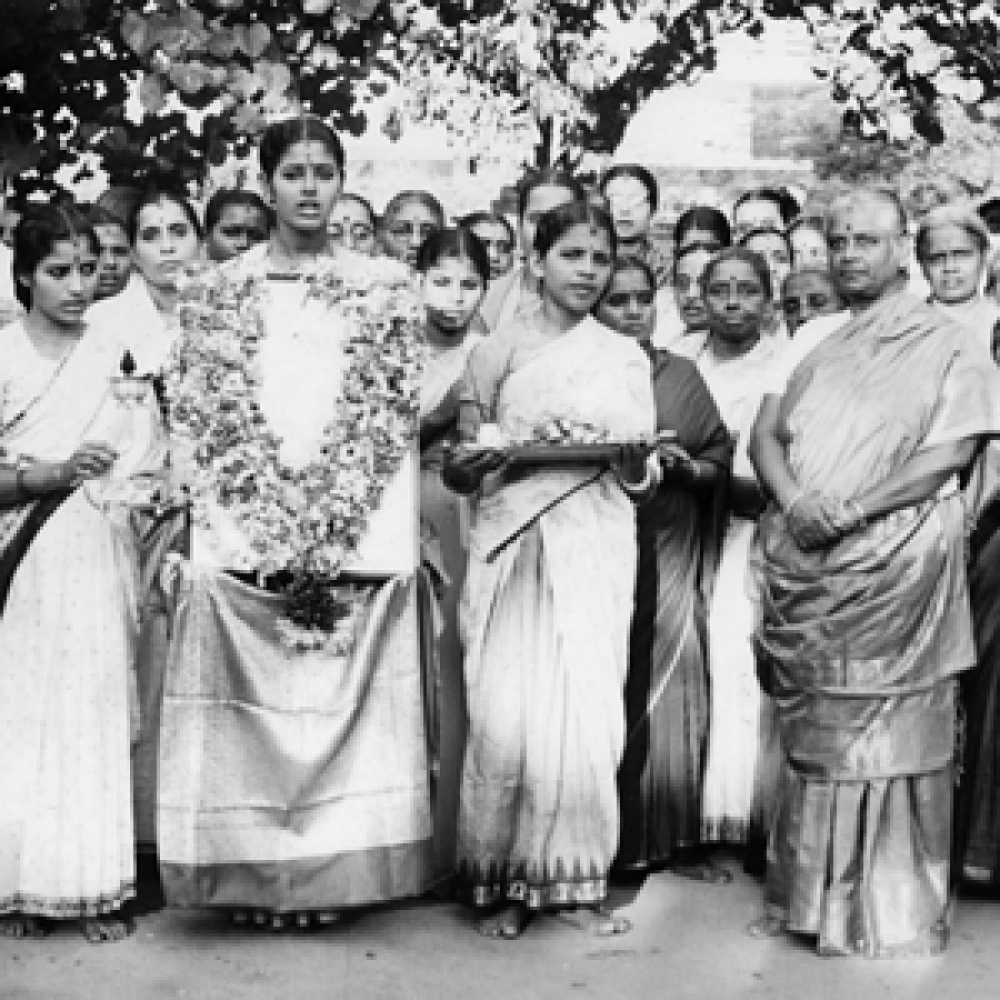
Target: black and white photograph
column 499, row 498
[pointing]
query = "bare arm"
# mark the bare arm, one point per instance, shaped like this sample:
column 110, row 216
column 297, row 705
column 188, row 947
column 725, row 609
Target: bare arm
column 767, row 455
column 920, row 478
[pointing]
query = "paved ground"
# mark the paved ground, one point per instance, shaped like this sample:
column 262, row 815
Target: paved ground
column 688, row 942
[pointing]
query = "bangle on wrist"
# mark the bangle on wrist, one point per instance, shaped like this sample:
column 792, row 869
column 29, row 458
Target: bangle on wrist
column 641, row 486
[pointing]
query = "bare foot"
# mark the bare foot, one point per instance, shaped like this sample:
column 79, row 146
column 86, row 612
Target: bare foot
column 20, row 926
column 596, row 920
column 767, row 926
column 100, row 930
column 508, row 922
column 703, row 871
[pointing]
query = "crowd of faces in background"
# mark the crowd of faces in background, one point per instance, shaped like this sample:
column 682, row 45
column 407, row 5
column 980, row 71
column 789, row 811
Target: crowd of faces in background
column 789, row 237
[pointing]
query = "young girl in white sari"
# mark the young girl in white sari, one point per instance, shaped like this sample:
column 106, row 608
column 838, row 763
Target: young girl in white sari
column 546, row 623
column 68, row 622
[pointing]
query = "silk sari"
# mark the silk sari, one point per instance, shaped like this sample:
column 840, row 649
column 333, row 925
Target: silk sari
column 862, row 642
column 67, row 645
column 545, row 628
column 294, row 781
column 667, row 692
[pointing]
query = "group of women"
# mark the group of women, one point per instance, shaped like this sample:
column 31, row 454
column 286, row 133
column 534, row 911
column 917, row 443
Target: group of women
column 561, row 689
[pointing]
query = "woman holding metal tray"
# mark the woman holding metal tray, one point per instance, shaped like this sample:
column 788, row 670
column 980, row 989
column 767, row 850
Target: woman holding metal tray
column 548, row 594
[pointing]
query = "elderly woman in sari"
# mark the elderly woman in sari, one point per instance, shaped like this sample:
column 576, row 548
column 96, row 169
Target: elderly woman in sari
column 865, row 622
column 666, row 691
column 953, row 248
column 68, row 595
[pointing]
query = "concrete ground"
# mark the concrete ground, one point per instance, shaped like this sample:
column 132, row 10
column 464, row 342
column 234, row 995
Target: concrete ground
column 688, row 942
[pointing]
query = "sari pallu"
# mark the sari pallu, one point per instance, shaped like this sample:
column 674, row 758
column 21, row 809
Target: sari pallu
column 861, row 642
column 545, row 629
column 667, row 690
column 67, row 644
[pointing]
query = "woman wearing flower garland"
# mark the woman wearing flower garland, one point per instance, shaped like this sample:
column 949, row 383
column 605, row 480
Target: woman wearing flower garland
column 294, row 777
column 68, row 573
column 454, row 269
column 545, row 619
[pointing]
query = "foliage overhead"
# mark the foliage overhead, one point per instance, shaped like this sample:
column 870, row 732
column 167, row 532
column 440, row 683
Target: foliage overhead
column 540, row 80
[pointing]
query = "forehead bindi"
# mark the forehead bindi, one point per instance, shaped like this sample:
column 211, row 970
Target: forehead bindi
column 161, row 215
column 309, row 152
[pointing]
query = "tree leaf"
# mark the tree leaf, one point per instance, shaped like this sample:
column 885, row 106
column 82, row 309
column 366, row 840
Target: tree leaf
column 151, row 93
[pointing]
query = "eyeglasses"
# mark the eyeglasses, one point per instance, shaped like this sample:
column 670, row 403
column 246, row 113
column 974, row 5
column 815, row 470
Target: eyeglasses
column 792, row 307
column 359, row 231
column 618, row 300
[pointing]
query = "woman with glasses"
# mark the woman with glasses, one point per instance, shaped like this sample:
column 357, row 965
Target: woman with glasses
column 666, row 689
column 408, row 219
column 353, row 224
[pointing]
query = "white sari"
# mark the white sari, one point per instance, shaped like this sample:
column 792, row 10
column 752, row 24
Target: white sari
column 738, row 385
column 67, row 643
column 546, row 629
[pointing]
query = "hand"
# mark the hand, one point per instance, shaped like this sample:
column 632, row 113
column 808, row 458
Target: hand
column 814, row 522
column 90, row 460
column 676, row 463
column 630, row 463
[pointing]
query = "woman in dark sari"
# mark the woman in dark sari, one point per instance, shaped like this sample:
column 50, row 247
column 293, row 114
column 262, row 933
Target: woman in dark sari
column 666, row 692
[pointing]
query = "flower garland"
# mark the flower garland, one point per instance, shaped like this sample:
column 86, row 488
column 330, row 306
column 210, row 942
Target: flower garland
column 302, row 523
